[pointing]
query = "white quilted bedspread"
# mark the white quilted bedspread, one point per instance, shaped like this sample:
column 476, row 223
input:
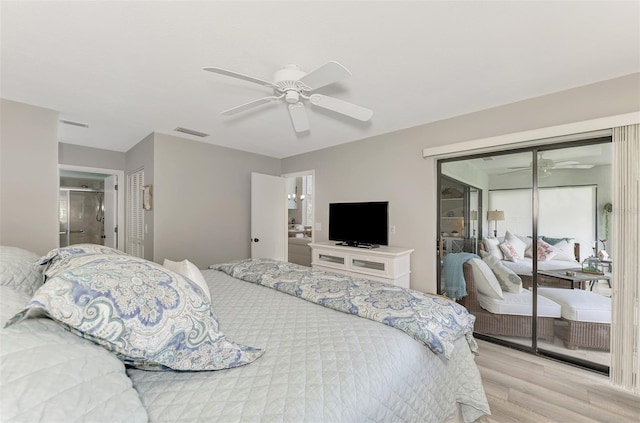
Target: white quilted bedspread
column 320, row 365
column 48, row 374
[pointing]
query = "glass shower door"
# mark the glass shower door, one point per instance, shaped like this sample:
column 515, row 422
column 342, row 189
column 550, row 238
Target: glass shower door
column 81, row 217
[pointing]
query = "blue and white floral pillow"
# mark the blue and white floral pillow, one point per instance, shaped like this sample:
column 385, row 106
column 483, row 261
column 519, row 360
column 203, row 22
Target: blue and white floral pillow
column 150, row 317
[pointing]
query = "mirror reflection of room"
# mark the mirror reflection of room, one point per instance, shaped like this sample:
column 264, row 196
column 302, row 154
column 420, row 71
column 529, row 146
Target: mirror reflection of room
column 573, row 219
column 300, row 218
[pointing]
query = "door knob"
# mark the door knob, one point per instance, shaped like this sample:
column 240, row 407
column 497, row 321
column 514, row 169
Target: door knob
column 256, row 240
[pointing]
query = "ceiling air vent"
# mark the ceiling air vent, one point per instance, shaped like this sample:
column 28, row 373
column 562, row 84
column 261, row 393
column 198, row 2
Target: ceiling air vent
column 72, row 123
column 191, row 132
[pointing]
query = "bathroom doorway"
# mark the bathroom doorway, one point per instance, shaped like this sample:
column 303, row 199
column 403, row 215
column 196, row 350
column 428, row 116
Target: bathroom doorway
column 90, row 207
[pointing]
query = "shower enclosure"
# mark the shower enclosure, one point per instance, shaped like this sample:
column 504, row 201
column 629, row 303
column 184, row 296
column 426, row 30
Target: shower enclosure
column 81, row 216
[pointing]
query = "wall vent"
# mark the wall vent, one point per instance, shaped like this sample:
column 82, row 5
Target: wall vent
column 191, row 132
column 72, row 123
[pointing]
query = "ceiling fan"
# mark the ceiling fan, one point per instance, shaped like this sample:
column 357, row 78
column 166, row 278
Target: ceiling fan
column 294, row 85
column 545, row 166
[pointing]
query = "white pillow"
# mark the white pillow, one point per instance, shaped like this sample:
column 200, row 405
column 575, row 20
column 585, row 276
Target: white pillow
column 518, row 244
column 190, row 271
column 509, row 251
column 492, row 247
column 508, row 279
column 565, row 250
column 486, row 282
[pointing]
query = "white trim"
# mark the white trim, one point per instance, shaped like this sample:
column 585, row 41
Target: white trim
column 121, row 188
column 535, row 135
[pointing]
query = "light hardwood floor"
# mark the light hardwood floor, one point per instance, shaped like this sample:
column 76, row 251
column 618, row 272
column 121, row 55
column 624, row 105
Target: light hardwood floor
column 524, row 388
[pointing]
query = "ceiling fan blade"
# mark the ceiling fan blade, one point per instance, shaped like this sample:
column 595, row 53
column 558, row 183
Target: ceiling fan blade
column 566, row 162
column 521, row 169
column 249, row 105
column 325, row 75
column 299, row 117
column 342, row 107
column 575, row 166
column 241, row 76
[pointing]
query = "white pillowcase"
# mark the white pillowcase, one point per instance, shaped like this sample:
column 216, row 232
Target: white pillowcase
column 491, row 245
column 518, row 244
column 190, row 271
column 485, row 281
column 508, row 279
column 565, row 250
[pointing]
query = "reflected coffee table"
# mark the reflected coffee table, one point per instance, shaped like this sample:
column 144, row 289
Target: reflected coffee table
column 577, row 278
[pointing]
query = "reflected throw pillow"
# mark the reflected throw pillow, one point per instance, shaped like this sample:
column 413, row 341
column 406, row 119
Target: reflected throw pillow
column 508, row 279
column 565, row 250
column 149, row 316
column 485, row 281
column 517, row 243
column 492, row 246
column 545, row 251
column 509, row 251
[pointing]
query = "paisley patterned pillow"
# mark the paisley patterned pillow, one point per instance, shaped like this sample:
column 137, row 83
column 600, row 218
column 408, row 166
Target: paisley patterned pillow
column 150, row 317
column 57, row 257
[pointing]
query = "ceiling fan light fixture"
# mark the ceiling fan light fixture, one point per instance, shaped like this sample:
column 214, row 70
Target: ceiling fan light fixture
column 296, row 85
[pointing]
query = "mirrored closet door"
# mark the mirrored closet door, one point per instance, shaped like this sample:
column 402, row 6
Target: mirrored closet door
column 537, row 268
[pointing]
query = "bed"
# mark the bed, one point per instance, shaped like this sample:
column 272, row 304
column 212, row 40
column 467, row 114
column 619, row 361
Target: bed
column 306, row 362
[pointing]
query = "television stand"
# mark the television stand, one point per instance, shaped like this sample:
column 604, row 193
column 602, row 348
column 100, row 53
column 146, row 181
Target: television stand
column 358, row 245
column 383, row 264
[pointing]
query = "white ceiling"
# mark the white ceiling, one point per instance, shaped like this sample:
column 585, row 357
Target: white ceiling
column 129, row 68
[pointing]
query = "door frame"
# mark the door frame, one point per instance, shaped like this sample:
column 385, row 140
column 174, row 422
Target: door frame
column 120, row 206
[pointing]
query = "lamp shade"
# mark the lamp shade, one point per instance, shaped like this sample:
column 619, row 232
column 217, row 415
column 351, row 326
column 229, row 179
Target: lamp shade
column 495, row 215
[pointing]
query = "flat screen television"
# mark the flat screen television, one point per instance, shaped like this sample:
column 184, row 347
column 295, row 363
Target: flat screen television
column 359, row 224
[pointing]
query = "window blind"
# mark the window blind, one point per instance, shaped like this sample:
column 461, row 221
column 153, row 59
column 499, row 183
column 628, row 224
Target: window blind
column 625, row 313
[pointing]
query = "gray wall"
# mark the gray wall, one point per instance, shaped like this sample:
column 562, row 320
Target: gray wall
column 390, row 167
column 140, row 156
column 28, row 177
column 77, row 155
column 202, row 197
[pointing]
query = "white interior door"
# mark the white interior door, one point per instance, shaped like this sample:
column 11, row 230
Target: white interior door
column 268, row 217
column 110, row 211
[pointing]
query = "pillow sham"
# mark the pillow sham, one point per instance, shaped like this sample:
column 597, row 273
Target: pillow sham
column 148, row 316
column 509, row 251
column 19, row 271
column 485, row 281
column 518, row 244
column 508, row 279
column 56, row 257
column 492, row 247
column 191, row 271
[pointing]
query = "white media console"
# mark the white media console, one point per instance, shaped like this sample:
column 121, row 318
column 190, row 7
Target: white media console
column 390, row 265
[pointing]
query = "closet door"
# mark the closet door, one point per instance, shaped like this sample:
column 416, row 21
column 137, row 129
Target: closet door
column 135, row 214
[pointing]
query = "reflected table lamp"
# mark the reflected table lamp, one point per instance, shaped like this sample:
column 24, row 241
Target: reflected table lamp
column 473, row 216
column 495, row 215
